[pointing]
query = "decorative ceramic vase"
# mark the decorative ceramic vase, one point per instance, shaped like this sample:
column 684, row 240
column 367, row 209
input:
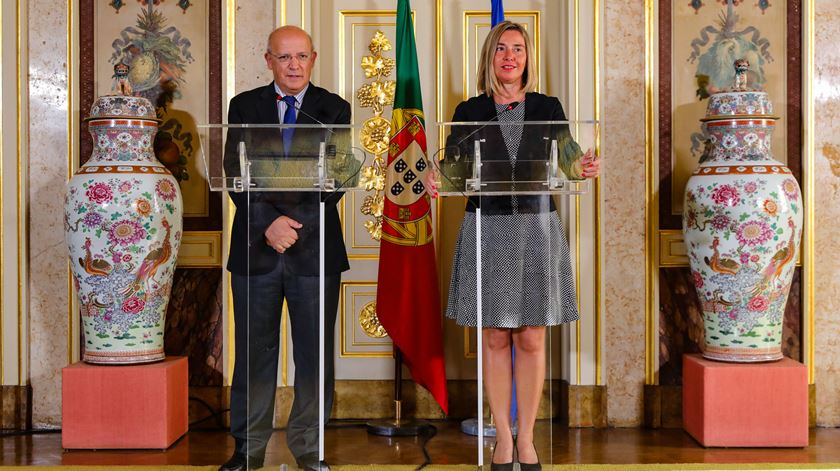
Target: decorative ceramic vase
column 742, row 223
column 123, row 229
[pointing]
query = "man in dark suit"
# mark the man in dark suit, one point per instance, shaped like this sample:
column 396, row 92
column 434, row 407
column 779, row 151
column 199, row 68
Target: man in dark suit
column 274, row 256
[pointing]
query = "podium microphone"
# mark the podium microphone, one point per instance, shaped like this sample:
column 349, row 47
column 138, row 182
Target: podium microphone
column 510, row 107
column 331, row 150
column 457, row 146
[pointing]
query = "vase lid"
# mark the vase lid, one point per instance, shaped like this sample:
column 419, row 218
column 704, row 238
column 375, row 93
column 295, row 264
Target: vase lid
column 740, row 101
column 122, row 106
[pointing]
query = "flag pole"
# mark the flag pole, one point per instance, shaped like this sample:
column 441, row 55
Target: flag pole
column 397, row 426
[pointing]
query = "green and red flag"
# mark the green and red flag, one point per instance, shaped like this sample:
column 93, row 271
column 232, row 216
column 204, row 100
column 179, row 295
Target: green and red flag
column 408, row 301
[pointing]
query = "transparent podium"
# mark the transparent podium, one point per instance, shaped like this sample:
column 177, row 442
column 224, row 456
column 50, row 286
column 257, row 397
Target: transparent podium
column 285, row 182
column 512, row 275
column 513, row 279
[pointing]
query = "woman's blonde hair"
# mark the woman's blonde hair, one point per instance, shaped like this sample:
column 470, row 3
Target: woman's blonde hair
column 486, row 80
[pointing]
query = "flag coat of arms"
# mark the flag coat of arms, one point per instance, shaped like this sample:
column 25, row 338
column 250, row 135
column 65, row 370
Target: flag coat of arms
column 408, row 300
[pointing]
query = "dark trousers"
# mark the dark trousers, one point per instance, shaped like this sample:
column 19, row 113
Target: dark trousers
column 257, row 306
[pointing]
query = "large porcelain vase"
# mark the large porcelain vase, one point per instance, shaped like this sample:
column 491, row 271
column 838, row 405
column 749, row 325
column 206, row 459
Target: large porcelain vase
column 742, row 223
column 123, row 229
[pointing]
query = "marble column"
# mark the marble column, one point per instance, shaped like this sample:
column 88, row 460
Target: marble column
column 624, row 209
column 826, row 197
column 48, row 174
column 255, row 20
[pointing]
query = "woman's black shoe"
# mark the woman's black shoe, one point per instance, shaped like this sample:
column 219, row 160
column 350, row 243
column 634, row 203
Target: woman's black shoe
column 531, row 466
column 500, row 466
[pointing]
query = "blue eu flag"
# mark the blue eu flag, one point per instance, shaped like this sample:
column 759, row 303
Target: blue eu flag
column 497, row 14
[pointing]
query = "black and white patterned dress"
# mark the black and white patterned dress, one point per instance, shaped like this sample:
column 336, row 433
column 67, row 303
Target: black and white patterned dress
column 527, row 277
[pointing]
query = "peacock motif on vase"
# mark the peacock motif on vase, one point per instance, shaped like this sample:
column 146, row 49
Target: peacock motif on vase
column 123, row 229
column 742, row 224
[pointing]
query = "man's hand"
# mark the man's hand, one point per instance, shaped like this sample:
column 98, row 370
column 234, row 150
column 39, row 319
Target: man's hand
column 282, row 233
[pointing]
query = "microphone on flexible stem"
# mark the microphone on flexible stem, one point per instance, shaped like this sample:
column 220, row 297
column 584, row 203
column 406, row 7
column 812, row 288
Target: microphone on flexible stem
column 331, row 148
column 510, row 107
column 457, row 146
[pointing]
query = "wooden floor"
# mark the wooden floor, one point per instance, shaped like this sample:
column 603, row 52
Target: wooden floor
column 349, row 443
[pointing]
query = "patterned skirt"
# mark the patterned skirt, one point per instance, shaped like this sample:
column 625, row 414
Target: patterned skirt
column 527, row 277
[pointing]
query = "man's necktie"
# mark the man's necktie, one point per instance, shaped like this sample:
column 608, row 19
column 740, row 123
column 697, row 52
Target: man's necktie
column 288, row 118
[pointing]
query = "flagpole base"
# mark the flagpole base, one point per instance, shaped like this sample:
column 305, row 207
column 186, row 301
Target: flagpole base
column 397, row 428
column 470, row 427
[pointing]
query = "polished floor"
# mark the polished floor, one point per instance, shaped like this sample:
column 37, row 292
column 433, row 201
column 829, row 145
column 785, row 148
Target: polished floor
column 349, row 443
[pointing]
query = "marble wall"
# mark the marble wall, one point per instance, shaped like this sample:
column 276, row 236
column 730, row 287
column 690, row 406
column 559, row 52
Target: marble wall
column 826, row 198
column 624, row 209
column 623, row 183
column 48, row 173
column 255, row 19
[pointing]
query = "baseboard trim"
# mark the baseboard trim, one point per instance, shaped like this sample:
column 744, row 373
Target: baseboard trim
column 576, row 406
column 587, row 406
column 15, row 407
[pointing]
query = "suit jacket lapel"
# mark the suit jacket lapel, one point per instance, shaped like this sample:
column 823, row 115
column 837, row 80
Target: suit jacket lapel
column 267, row 106
column 309, row 106
column 494, row 142
column 529, row 137
column 530, row 108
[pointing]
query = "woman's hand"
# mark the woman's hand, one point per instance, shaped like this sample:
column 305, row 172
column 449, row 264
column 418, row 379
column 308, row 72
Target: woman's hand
column 430, row 181
column 591, row 167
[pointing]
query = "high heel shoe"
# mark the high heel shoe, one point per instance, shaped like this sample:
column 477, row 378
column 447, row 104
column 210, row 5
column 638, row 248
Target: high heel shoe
column 531, row 466
column 500, row 466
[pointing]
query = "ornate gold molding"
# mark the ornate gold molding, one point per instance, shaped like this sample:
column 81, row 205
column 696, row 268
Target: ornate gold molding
column 200, row 249
column 808, row 175
column 598, row 222
column 230, row 91
column 356, row 316
column 651, row 198
column 2, row 222
column 672, row 250
column 72, row 160
column 22, row 264
column 577, row 197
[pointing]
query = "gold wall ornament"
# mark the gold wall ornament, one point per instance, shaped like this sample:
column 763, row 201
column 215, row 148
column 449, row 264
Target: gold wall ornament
column 375, row 134
column 370, row 321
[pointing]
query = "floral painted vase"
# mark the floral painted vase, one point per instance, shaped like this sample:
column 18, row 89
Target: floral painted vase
column 123, row 228
column 742, row 223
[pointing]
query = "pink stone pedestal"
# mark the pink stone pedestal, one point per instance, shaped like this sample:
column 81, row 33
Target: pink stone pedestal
column 136, row 406
column 745, row 404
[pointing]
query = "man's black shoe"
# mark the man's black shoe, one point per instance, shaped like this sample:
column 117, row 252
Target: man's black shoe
column 309, row 462
column 240, row 462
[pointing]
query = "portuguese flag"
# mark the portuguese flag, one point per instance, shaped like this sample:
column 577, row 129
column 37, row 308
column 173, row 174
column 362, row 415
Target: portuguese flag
column 408, row 301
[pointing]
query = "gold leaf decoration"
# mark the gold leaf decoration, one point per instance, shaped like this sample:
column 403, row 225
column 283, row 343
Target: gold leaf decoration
column 368, row 178
column 376, row 131
column 375, row 135
column 377, row 66
column 379, row 44
column 369, row 321
column 374, row 227
column 373, row 205
column 378, row 205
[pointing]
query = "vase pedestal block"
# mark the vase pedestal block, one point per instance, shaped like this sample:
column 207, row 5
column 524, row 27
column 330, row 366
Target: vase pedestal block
column 137, row 406
column 745, row 404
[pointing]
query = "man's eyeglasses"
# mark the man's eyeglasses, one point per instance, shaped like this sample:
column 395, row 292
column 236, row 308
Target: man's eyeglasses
column 286, row 58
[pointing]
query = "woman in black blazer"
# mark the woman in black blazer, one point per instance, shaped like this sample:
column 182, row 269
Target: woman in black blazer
column 527, row 281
